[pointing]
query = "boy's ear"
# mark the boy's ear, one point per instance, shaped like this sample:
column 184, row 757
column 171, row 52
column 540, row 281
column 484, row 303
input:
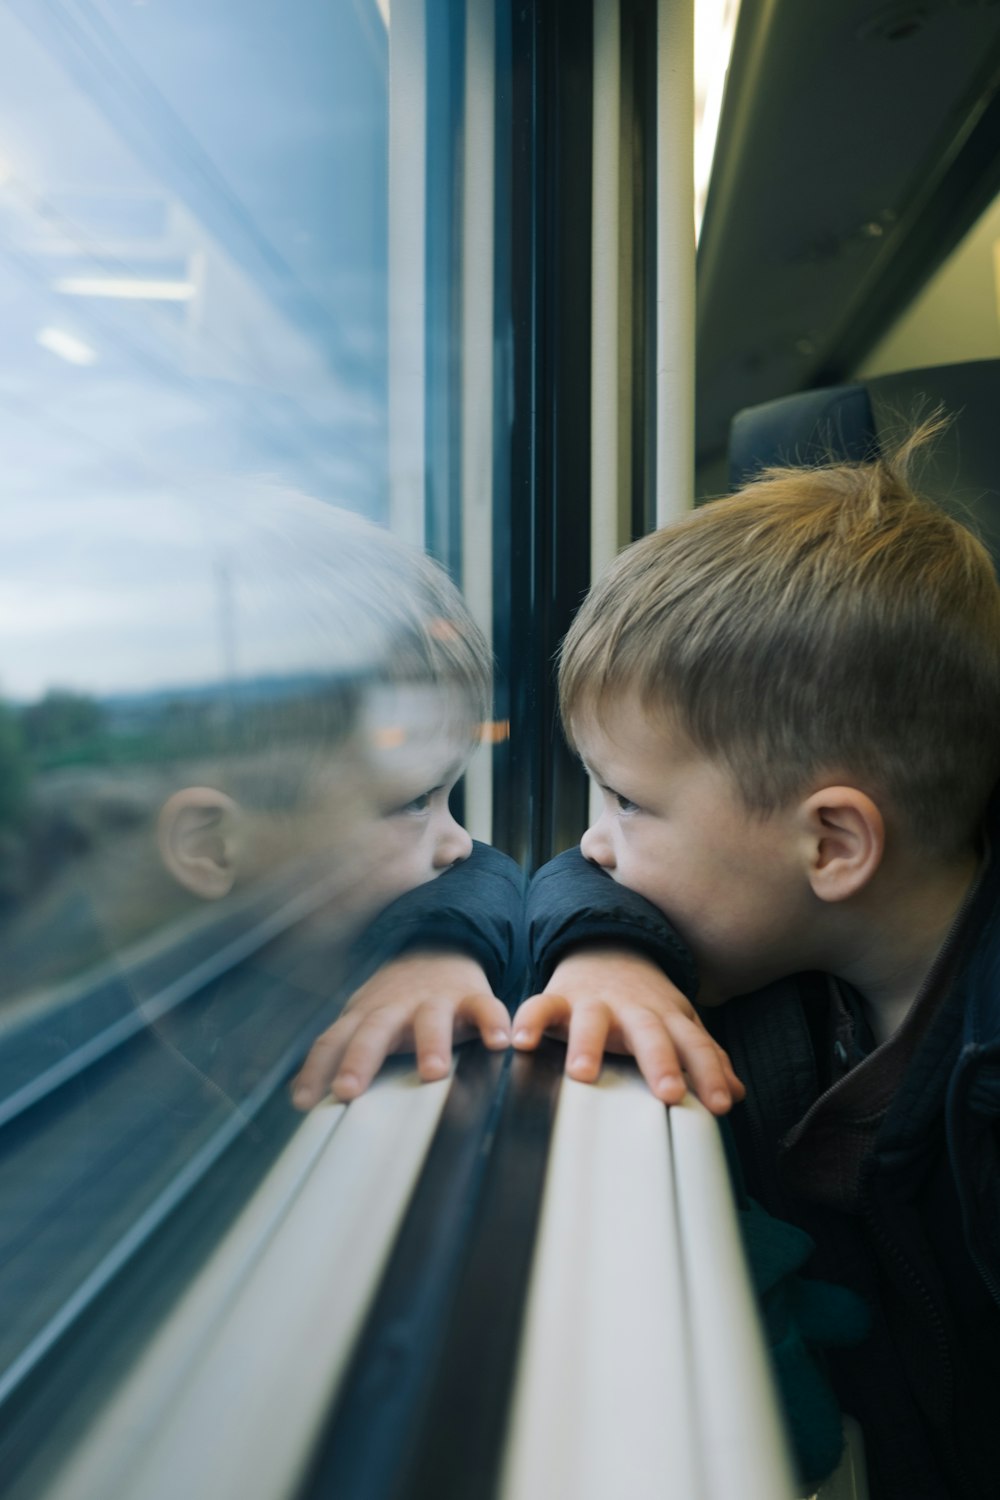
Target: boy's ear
column 845, row 841
column 199, row 837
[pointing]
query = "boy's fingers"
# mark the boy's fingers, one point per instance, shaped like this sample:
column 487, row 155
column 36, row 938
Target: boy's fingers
column 704, row 1063
column 537, row 1013
column 490, row 1016
column 588, row 1036
column 313, row 1079
column 655, row 1053
column 374, row 1039
column 432, row 1031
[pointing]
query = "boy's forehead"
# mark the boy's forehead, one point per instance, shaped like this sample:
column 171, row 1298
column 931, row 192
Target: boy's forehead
column 418, row 730
column 623, row 728
column 414, row 713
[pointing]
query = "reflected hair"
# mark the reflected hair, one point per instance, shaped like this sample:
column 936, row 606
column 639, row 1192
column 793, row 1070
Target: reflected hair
column 822, row 621
column 367, row 606
column 326, row 606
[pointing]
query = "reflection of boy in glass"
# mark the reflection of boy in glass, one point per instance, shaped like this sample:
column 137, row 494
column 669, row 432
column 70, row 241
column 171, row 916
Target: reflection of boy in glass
column 350, row 782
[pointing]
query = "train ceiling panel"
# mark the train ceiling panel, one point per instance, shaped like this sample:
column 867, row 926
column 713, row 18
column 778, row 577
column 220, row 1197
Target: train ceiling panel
column 857, row 144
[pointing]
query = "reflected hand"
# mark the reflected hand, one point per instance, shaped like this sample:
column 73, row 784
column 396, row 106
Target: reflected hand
column 615, row 1000
column 421, row 1002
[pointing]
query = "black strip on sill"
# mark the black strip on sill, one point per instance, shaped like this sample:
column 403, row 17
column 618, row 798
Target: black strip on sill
column 423, row 1408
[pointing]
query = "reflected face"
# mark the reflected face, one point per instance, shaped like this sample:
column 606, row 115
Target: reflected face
column 378, row 807
column 417, row 745
column 673, row 828
column 369, row 813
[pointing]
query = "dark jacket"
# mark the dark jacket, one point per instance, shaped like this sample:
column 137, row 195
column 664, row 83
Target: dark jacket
column 477, row 907
column 922, row 1246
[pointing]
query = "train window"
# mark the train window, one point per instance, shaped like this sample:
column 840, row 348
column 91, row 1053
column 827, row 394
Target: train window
column 236, row 694
column 193, row 287
column 272, row 343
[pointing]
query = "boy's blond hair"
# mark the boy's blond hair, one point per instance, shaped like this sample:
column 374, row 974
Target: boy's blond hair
column 822, row 621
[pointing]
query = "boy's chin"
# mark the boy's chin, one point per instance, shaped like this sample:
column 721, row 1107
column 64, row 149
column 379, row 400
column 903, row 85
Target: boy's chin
column 710, row 994
column 715, row 988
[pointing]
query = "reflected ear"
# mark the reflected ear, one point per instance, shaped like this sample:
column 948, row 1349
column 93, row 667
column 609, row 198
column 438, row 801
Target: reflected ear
column 845, row 841
column 198, row 835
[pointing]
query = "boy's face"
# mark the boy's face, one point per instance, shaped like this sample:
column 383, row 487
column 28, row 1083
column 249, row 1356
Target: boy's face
column 412, row 753
column 673, row 828
column 372, row 815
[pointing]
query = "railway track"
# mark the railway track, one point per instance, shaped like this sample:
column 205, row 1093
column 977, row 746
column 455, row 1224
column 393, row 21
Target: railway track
column 164, row 1067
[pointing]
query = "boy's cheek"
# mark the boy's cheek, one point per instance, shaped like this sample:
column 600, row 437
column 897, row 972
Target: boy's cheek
column 394, row 860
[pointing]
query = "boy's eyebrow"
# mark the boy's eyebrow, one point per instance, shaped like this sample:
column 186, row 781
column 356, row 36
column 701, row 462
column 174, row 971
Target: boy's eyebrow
column 605, row 786
column 591, row 769
column 451, row 773
column 596, row 775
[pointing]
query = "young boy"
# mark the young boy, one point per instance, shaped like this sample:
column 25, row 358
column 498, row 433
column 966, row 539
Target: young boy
column 790, row 701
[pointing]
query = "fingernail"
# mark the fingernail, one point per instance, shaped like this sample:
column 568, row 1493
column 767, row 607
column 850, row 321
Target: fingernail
column 720, row 1099
column 669, row 1087
column 346, row 1086
column 522, row 1036
column 434, row 1062
column 499, row 1038
column 582, row 1064
column 302, row 1098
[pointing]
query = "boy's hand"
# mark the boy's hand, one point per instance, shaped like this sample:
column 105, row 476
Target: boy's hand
column 613, row 999
column 420, row 1002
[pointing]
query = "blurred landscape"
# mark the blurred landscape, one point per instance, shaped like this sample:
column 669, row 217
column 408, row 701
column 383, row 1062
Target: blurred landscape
column 82, row 780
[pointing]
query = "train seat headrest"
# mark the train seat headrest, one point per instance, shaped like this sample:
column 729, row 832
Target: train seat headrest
column 810, row 427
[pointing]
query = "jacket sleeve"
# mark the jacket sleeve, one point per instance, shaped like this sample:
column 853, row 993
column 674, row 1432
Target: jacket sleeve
column 572, row 902
column 476, row 907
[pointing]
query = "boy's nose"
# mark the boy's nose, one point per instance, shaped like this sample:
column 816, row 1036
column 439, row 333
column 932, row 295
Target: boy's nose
column 452, row 844
column 596, row 846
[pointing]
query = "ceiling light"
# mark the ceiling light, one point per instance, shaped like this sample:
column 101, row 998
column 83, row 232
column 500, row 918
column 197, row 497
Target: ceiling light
column 71, row 349
column 714, row 30
column 133, row 288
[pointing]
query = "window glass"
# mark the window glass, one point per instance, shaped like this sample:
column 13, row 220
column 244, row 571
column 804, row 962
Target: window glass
column 235, row 696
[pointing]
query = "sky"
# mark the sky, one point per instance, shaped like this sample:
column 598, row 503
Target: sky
column 222, row 170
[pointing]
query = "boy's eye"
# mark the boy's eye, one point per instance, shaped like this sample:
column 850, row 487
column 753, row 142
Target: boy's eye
column 419, row 804
column 423, row 803
column 625, row 804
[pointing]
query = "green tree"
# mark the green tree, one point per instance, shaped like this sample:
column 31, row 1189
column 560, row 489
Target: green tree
column 15, row 770
column 60, row 720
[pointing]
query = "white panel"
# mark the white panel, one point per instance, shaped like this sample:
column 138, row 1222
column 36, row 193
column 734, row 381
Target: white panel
column 742, row 1439
column 675, row 260
column 602, row 1405
column 478, row 189
column 229, row 1398
column 407, row 267
column 605, row 348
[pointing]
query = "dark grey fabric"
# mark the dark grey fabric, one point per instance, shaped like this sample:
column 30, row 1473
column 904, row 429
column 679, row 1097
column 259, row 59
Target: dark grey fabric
column 477, row 907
